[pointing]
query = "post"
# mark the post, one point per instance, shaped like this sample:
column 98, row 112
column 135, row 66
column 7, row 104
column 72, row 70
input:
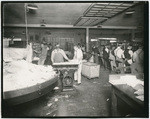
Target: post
column 132, row 35
column 87, row 39
column 25, row 7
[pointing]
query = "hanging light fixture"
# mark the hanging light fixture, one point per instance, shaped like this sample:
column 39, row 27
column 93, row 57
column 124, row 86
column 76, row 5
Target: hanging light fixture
column 43, row 23
column 27, row 7
column 129, row 12
column 32, row 6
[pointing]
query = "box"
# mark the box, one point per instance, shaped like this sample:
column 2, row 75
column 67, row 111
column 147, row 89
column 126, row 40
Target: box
column 90, row 70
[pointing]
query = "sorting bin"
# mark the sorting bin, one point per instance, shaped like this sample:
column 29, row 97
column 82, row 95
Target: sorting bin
column 90, row 70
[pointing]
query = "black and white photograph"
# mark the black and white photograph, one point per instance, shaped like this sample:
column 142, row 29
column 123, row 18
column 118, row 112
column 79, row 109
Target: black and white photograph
column 75, row 59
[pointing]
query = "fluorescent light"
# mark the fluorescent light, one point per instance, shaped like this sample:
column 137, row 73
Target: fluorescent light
column 113, row 41
column 94, row 39
column 17, row 39
column 129, row 12
column 107, row 38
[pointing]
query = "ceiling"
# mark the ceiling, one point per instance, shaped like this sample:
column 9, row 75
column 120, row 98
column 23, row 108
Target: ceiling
column 100, row 12
column 75, row 14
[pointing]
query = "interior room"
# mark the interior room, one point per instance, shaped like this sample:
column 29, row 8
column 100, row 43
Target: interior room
column 75, row 59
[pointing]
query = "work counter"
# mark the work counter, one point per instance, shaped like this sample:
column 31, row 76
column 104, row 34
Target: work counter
column 131, row 94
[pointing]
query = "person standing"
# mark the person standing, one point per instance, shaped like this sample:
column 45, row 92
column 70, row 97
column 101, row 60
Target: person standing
column 138, row 61
column 112, row 59
column 78, row 55
column 48, row 57
column 106, row 57
column 96, row 54
column 58, row 55
column 29, row 53
column 128, row 53
column 43, row 53
column 119, row 53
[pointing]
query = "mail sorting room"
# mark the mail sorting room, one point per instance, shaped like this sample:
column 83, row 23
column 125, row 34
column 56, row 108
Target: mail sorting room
column 75, row 59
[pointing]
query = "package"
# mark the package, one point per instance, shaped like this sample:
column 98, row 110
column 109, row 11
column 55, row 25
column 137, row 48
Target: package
column 90, row 70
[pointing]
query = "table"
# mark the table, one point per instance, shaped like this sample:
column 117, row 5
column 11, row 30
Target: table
column 66, row 70
column 126, row 94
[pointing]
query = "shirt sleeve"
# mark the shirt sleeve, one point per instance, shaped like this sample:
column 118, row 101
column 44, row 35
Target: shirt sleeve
column 131, row 53
column 52, row 56
column 134, row 56
column 74, row 57
column 123, row 54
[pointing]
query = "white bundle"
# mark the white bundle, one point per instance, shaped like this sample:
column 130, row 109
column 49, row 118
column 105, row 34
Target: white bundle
column 21, row 74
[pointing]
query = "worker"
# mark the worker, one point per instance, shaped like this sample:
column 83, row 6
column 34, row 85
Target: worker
column 58, row 55
column 43, row 54
column 138, row 61
column 48, row 57
column 119, row 53
column 112, row 59
column 96, row 54
column 78, row 55
column 106, row 57
column 29, row 52
column 128, row 53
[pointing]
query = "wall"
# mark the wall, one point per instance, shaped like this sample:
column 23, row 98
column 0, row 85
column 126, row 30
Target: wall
column 121, row 35
column 64, row 35
column 59, row 35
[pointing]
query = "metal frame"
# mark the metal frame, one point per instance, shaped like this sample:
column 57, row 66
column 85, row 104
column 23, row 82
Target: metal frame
column 102, row 12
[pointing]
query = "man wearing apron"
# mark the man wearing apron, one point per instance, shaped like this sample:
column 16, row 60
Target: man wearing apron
column 58, row 55
column 78, row 55
column 43, row 53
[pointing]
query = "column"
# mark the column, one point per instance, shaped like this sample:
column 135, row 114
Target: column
column 133, row 35
column 87, row 39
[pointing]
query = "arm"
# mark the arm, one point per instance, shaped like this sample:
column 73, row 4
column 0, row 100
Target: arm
column 64, row 55
column 131, row 53
column 134, row 56
column 79, row 55
column 52, row 56
column 123, row 55
column 74, row 55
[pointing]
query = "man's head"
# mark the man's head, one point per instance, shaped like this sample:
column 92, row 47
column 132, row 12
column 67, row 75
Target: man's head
column 79, row 45
column 50, row 45
column 75, row 47
column 57, row 46
column 140, row 46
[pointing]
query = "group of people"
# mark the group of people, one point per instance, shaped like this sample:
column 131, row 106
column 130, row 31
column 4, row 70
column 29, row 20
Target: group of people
column 120, row 59
column 49, row 56
column 123, row 60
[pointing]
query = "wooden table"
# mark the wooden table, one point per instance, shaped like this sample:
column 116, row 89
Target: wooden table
column 126, row 94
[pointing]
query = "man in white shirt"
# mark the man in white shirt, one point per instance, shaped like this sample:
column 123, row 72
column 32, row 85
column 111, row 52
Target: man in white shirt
column 78, row 55
column 58, row 55
column 119, row 53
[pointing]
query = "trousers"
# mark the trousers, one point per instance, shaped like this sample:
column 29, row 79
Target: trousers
column 77, row 74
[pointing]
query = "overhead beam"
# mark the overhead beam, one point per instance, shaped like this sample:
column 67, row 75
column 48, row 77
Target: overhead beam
column 91, row 17
column 69, row 26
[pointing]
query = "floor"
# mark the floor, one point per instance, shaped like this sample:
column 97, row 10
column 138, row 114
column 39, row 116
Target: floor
column 91, row 98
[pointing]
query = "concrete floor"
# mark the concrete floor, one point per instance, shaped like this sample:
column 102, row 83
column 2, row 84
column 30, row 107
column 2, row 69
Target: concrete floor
column 91, row 98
